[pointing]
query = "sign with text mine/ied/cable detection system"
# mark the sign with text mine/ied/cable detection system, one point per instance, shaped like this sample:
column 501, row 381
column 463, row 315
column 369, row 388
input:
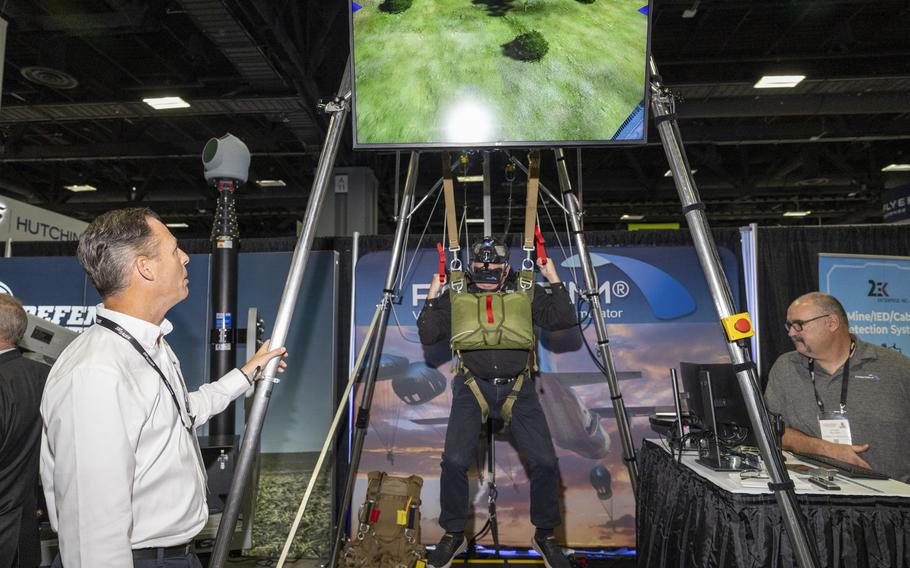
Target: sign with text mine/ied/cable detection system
column 875, row 292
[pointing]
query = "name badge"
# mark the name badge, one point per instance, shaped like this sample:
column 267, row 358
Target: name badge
column 835, row 427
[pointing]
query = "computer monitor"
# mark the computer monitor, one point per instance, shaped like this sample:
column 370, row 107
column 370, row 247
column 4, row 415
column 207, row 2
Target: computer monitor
column 730, row 414
column 499, row 73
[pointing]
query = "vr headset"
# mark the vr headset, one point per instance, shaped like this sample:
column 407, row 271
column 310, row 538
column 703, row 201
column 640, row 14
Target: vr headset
column 488, row 251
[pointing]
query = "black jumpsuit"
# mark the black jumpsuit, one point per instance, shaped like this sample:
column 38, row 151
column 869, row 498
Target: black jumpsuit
column 552, row 310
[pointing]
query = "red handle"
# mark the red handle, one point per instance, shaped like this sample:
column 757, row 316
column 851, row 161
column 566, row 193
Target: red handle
column 442, row 263
column 541, row 251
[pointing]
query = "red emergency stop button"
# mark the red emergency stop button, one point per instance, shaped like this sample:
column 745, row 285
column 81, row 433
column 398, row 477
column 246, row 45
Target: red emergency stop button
column 738, row 326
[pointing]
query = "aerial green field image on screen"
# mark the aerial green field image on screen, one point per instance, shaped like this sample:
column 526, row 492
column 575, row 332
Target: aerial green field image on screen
column 498, row 72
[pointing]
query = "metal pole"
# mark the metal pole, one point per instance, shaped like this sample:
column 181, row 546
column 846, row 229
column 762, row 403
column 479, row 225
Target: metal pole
column 752, row 270
column 339, row 109
column 664, row 116
column 580, row 178
column 487, row 199
column 363, row 414
column 592, row 295
column 223, row 355
column 494, row 492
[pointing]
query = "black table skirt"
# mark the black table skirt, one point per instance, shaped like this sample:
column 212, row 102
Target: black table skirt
column 683, row 520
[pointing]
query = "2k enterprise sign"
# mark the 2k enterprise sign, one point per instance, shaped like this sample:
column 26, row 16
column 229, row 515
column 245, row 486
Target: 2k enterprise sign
column 875, row 292
column 636, row 284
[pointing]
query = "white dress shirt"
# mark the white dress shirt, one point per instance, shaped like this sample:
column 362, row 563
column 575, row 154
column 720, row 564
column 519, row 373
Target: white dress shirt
column 119, row 469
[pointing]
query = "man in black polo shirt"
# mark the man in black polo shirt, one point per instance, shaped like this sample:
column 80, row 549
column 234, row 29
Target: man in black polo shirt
column 839, row 396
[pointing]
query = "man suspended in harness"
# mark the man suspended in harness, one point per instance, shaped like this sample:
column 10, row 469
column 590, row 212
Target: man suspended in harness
column 489, row 317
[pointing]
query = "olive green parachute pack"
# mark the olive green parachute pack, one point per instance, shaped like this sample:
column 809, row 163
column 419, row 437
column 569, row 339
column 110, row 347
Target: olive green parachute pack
column 492, row 320
column 388, row 530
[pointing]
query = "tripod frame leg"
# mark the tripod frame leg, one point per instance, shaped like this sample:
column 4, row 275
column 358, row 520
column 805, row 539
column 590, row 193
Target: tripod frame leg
column 339, row 108
column 591, row 295
column 662, row 105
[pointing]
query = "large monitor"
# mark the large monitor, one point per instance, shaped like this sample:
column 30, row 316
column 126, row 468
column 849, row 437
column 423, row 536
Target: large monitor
column 733, row 425
column 487, row 73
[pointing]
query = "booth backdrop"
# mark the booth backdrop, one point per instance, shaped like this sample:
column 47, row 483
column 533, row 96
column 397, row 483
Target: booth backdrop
column 659, row 313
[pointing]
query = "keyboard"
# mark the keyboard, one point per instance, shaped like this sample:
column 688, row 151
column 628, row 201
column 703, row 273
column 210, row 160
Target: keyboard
column 843, row 468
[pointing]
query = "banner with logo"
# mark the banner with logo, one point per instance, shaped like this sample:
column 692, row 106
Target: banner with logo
column 56, row 289
column 896, row 204
column 23, row 222
column 658, row 312
column 875, row 292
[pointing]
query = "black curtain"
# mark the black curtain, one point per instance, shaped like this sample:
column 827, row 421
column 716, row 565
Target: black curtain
column 788, row 268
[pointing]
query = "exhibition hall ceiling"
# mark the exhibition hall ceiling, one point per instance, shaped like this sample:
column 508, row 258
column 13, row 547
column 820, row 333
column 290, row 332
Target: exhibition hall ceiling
column 76, row 73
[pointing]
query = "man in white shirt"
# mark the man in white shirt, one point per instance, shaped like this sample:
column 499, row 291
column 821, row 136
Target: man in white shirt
column 120, row 464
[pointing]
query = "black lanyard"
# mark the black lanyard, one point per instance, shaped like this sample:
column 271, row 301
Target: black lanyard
column 148, row 359
column 844, row 385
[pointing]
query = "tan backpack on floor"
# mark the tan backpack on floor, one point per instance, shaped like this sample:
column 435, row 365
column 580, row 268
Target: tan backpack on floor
column 388, row 531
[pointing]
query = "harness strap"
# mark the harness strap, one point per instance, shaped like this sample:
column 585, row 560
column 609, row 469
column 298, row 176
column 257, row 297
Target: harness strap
column 456, row 282
column 481, row 401
column 531, row 204
column 541, row 248
column 448, row 190
column 526, row 282
column 442, row 263
column 506, row 411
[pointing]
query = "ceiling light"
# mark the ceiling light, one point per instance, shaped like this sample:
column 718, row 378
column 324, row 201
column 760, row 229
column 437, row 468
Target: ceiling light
column 779, row 81
column 628, row 217
column 469, row 179
column 177, row 225
column 163, row 103
column 796, row 213
column 76, row 188
column 897, row 168
column 270, row 183
column 669, row 173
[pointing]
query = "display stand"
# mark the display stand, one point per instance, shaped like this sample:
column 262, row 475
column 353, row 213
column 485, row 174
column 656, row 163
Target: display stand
column 665, row 118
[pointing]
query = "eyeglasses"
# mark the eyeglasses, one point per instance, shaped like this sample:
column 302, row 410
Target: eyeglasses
column 798, row 324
